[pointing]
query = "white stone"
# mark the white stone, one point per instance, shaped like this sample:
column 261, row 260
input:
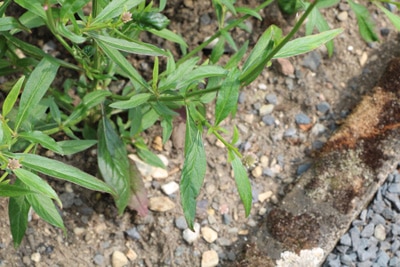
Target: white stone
column 266, row 109
column 161, row 204
column 380, row 232
column 170, row 188
column 159, row 173
column 79, row 230
column 262, row 86
column 190, row 236
column 363, row 58
column 257, row 172
column 265, row 196
column 35, row 257
column 209, row 258
column 342, row 16
column 131, row 254
column 119, row 259
column 209, row 234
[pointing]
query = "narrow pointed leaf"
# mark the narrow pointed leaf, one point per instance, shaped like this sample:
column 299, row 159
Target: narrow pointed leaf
column 395, row 20
column 133, row 102
column 113, row 163
column 70, row 147
column 18, row 209
column 306, row 44
column 35, row 88
column 8, row 190
column 242, row 182
column 227, row 96
column 12, row 96
column 46, row 209
column 44, row 140
column 138, row 200
column 194, row 169
column 365, row 24
column 62, row 171
column 115, row 9
column 34, row 182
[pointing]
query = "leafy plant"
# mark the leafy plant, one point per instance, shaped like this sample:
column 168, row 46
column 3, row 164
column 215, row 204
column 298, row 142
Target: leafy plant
column 87, row 112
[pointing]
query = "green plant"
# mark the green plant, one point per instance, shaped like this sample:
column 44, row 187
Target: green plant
column 37, row 107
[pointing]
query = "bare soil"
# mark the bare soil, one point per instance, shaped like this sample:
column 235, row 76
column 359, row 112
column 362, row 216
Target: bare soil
column 94, row 229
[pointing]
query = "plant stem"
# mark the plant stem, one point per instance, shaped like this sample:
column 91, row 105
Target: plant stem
column 219, row 32
column 96, row 57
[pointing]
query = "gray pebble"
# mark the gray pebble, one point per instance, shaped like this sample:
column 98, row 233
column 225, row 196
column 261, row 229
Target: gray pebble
column 346, row 260
column 323, row 107
column 345, row 240
column 388, row 214
column 382, row 258
column 67, row 199
column 368, row 230
column 223, row 241
column 227, row 219
column 268, row 172
column 180, row 223
column 303, row 168
column 395, row 229
column 312, row 61
column 396, row 178
column 205, row 19
column 98, row 259
column 378, row 219
column 318, row 129
column 302, row 118
column 333, row 262
column 394, row 199
column 385, row 31
column 342, row 249
column 269, row 120
column 316, row 145
column 289, row 83
column 394, row 188
column 395, row 246
column 394, row 262
column 242, row 97
column 133, row 233
column 290, row 132
column 355, row 237
column 271, row 99
column 363, row 215
column 364, row 264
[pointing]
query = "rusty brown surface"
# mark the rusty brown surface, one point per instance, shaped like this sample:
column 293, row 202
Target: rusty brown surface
column 346, row 174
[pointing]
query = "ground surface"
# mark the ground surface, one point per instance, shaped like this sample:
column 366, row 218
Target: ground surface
column 267, row 122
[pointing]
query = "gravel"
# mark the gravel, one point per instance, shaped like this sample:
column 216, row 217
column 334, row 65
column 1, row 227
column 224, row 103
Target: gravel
column 374, row 237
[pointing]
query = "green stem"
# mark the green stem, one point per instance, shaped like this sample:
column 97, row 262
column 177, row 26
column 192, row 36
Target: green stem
column 97, row 56
column 219, row 32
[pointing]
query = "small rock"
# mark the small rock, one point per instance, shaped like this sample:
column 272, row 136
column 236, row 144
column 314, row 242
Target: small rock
column 180, row 223
column 257, row 172
column 189, row 236
column 205, row 19
column 209, row 258
column 118, row 259
column 242, row 97
column 79, row 230
column 302, row 118
column 380, row 232
column 385, row 31
column 170, row 188
column 318, row 129
column 382, row 258
column 157, row 143
column 131, row 255
column 394, row 188
column 268, row 120
column 159, row 173
column 312, row 61
column 345, row 240
column 188, row 3
column 265, row 196
column 323, row 107
column 161, row 204
column 291, row 132
column 35, row 257
column 342, row 16
column 271, row 99
column 363, row 58
column 368, row 230
column 262, row 86
column 98, row 259
column 285, row 67
column 227, row 219
column 303, row 168
column 209, row 234
column 133, row 233
column 223, row 241
column 266, row 109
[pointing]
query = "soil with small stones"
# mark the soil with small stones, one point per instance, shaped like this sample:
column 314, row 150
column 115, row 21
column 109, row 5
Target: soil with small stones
column 284, row 148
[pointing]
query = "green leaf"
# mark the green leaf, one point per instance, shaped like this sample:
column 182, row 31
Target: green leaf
column 12, row 96
column 46, row 209
column 170, row 36
column 194, row 169
column 71, row 147
column 113, row 162
column 35, row 183
column 289, row 6
column 237, row 57
column 35, row 88
column 70, row 7
column 242, row 181
column 248, row 11
column 306, row 44
column 152, row 20
column 44, row 140
column 139, row 200
column 395, row 20
column 149, row 157
column 183, row 70
column 133, row 102
column 8, row 190
column 62, row 171
column 365, row 24
column 134, row 47
column 218, row 50
column 35, row 7
column 155, row 74
column 114, row 9
column 8, row 23
column 167, row 127
column 18, row 209
column 227, row 96
column 66, row 32
column 235, row 137
column 125, row 66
